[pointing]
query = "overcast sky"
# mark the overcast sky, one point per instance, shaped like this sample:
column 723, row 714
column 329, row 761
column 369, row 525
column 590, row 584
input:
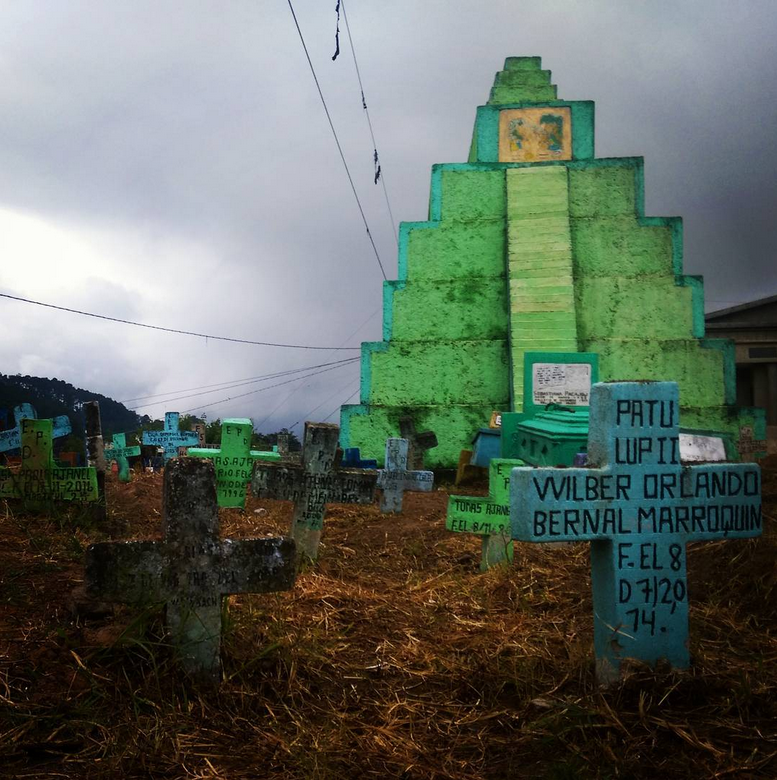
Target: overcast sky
column 171, row 163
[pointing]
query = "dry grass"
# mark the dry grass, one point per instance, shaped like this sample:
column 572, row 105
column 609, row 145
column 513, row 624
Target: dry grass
column 392, row 657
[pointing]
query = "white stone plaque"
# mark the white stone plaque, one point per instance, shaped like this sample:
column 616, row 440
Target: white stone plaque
column 695, row 448
column 561, row 383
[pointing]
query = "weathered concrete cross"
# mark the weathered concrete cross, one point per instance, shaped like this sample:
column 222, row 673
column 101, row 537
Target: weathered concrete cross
column 313, row 484
column 638, row 506
column 39, row 479
column 419, row 442
column 11, row 439
column 394, row 479
column 234, row 461
column 192, row 569
column 487, row 517
column 170, row 439
column 119, row 451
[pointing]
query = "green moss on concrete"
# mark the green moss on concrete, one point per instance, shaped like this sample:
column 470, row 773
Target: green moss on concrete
column 472, row 195
column 446, row 310
column 455, row 427
column 428, row 373
column 602, row 192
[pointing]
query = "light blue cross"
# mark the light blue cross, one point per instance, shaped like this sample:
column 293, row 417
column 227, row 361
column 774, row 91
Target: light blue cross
column 12, row 438
column 638, row 506
column 120, row 452
column 170, row 439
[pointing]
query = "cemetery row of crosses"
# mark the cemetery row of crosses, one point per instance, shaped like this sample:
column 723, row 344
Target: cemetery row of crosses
column 587, row 428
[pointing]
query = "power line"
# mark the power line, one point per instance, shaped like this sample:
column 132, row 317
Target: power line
column 337, row 141
column 339, row 406
column 316, row 408
column 243, row 384
column 290, row 395
column 260, row 390
column 378, row 172
column 228, row 385
column 171, row 330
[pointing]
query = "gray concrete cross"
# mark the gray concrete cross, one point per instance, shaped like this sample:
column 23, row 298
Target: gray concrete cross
column 394, row 479
column 313, row 484
column 192, row 569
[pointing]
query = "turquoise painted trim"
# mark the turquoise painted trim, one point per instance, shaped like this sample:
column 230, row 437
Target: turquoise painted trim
column 346, row 412
column 729, row 367
column 389, row 288
column 486, row 143
column 405, row 228
column 365, row 369
column 696, row 283
column 435, row 191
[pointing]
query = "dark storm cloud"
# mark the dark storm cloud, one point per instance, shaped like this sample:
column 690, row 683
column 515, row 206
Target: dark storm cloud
column 183, row 147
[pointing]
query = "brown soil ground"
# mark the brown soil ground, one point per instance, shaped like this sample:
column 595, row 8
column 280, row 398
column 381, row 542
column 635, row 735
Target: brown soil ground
column 392, row 657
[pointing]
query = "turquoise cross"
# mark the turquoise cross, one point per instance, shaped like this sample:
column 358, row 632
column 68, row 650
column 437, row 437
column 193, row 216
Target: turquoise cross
column 638, row 506
column 170, row 439
column 119, row 451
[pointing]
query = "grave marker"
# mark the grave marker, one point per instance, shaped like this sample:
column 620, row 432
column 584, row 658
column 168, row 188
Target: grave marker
column 419, row 442
column 39, row 479
column 314, row 483
column 119, row 451
column 170, row 439
column 192, row 569
column 639, row 507
column 234, row 461
column 11, row 438
column 488, row 517
column 352, row 459
column 394, row 478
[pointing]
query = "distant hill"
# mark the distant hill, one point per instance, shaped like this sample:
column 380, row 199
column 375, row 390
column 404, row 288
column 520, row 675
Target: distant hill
column 52, row 397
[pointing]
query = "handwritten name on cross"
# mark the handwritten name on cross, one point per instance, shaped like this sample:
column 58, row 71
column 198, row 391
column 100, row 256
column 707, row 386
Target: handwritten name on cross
column 234, row 461
column 193, row 569
column 395, row 478
column 314, row 483
column 419, row 442
column 119, row 451
column 638, row 506
column 12, row 438
column 488, row 517
column 170, row 439
column 39, row 478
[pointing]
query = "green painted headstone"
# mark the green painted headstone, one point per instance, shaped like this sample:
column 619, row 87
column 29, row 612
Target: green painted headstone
column 119, row 451
column 638, row 506
column 40, row 480
column 488, row 517
column 234, row 461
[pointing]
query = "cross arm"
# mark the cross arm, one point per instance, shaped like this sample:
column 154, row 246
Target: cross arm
column 273, row 480
column 419, row 481
column 127, row 572
column 256, row 565
column 353, row 486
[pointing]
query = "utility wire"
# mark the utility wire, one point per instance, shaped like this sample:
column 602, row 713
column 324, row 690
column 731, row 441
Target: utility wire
column 228, row 385
column 171, row 330
column 291, row 394
column 340, row 406
column 378, row 172
column 260, row 390
column 337, row 141
column 243, row 384
column 316, row 408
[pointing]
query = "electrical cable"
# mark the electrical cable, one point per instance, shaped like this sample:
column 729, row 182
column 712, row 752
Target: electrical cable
column 339, row 406
column 208, row 392
column 337, row 141
column 316, row 408
column 228, row 385
column 379, row 172
column 171, row 330
column 260, row 390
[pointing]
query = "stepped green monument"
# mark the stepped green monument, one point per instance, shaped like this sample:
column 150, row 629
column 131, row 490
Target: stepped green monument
column 535, row 245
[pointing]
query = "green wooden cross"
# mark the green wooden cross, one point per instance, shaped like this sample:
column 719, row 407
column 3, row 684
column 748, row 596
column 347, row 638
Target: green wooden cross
column 234, row 461
column 119, row 451
column 39, row 479
column 488, row 516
